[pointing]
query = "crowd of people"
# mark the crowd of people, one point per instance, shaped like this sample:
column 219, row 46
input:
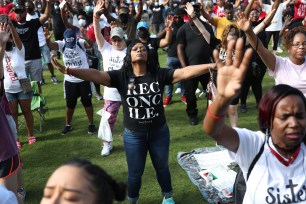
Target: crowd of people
column 223, row 45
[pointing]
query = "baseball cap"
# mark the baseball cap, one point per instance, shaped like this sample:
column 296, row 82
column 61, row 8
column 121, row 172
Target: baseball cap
column 117, row 31
column 70, row 38
column 142, row 24
column 123, row 10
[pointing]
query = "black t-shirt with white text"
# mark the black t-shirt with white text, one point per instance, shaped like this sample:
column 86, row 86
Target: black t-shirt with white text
column 28, row 35
column 142, row 107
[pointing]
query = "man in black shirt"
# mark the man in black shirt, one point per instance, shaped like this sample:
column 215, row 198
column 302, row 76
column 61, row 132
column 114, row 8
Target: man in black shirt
column 193, row 49
column 27, row 31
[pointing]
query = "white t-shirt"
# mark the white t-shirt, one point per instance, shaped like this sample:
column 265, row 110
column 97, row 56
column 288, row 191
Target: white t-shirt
column 276, row 23
column 112, row 60
column 13, row 61
column 270, row 181
column 6, row 196
column 40, row 32
column 286, row 72
column 73, row 58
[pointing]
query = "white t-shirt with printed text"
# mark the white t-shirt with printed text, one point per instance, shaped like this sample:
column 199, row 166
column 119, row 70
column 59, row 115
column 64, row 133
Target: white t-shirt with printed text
column 73, row 58
column 270, row 181
column 112, row 60
column 286, row 72
column 13, row 62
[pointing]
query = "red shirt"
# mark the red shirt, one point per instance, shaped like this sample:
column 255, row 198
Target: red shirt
column 219, row 11
column 91, row 33
column 299, row 10
column 6, row 9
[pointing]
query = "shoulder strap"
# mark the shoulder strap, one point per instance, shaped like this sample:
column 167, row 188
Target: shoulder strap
column 78, row 43
column 256, row 158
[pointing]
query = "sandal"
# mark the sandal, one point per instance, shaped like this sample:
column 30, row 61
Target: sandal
column 31, row 140
column 18, row 144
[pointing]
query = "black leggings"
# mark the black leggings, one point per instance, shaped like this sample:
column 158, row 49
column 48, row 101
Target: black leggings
column 275, row 38
column 253, row 79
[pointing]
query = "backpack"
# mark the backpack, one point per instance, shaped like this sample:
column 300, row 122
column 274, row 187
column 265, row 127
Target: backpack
column 239, row 188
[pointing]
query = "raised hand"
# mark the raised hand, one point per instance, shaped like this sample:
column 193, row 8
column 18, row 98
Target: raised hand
column 58, row 66
column 288, row 20
column 189, row 9
column 4, row 32
column 99, row 8
column 168, row 22
column 47, row 34
column 243, row 23
column 231, row 74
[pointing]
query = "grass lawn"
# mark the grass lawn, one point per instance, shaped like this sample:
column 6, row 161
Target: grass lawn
column 52, row 149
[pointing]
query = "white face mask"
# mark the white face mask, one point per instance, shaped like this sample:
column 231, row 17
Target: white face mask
column 82, row 22
column 156, row 4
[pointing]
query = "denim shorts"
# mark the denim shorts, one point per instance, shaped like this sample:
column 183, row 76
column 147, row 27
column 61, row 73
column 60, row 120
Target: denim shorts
column 45, row 53
column 18, row 96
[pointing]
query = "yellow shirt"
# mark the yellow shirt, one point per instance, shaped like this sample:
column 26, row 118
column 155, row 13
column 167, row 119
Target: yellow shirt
column 220, row 23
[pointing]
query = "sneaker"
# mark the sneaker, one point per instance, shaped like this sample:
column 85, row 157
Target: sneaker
column 18, row 143
column 42, row 82
column 184, row 99
column 54, row 79
column 91, row 129
column 178, row 91
column 198, row 91
column 193, row 120
column 99, row 97
column 279, row 50
column 21, row 193
column 167, row 101
column 243, row 108
column 66, row 129
column 107, row 148
column 168, row 201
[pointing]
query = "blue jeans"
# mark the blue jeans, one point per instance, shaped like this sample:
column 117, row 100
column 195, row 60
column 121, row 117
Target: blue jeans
column 173, row 63
column 136, row 145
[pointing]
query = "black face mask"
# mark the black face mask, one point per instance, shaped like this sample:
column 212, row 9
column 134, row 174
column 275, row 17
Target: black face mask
column 30, row 10
column 124, row 18
column 9, row 46
column 143, row 33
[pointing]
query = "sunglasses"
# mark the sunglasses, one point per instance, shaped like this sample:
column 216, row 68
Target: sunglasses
column 177, row 17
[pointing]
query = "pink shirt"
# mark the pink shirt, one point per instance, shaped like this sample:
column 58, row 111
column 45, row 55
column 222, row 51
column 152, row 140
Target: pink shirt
column 289, row 73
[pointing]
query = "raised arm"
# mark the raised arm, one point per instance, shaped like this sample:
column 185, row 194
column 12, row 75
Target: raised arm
column 266, row 22
column 139, row 11
column 64, row 11
column 168, row 28
column 190, row 11
column 4, row 36
column 230, row 79
column 99, row 77
column 51, row 45
column 248, row 9
column 16, row 38
column 98, row 11
column 107, row 15
column 46, row 15
column 267, row 57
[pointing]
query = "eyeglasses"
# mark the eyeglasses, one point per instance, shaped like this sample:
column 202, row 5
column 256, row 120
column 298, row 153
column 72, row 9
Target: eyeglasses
column 177, row 17
column 298, row 44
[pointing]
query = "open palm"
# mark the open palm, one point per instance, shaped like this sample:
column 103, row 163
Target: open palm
column 99, row 8
column 4, row 32
column 243, row 23
column 231, row 75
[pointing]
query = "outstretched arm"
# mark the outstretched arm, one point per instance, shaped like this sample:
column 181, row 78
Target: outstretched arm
column 64, row 17
column 267, row 57
column 265, row 22
column 192, row 71
column 99, row 77
column 230, row 78
column 190, row 10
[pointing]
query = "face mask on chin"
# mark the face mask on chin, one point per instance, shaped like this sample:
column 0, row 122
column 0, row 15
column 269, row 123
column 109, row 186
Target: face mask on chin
column 143, row 33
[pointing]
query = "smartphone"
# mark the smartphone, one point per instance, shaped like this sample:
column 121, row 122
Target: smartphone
column 3, row 18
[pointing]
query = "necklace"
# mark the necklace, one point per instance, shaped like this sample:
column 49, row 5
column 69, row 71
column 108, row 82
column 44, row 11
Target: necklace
column 194, row 30
column 281, row 159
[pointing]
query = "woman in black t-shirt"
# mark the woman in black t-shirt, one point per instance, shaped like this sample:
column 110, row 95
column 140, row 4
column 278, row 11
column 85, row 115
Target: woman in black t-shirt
column 140, row 83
